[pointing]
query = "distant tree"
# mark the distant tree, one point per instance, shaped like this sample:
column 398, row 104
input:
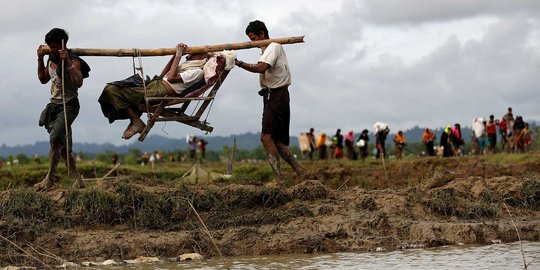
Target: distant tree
column 133, row 156
column 105, row 157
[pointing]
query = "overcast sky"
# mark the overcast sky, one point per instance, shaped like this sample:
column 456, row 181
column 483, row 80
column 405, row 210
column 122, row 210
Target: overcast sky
column 418, row 62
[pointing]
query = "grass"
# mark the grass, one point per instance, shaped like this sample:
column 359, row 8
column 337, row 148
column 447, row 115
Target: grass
column 27, row 204
column 25, row 175
column 505, row 158
column 90, row 207
column 128, row 204
column 252, row 173
column 254, row 198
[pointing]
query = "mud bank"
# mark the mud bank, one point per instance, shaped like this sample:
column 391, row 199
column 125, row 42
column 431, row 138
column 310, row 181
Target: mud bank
column 422, row 203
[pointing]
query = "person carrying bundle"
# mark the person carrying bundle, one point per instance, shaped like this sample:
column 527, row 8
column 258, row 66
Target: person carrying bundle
column 399, row 141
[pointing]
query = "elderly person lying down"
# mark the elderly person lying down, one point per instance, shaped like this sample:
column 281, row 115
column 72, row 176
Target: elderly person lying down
column 122, row 102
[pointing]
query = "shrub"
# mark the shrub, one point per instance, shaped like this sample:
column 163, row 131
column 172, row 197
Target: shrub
column 480, row 211
column 252, row 198
column 443, row 202
column 29, row 205
column 530, row 193
column 368, row 203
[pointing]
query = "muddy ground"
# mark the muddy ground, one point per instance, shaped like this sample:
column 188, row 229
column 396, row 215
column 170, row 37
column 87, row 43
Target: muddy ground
column 420, row 203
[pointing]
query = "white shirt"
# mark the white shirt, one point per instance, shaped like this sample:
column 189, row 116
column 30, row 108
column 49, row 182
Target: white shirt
column 278, row 75
column 189, row 77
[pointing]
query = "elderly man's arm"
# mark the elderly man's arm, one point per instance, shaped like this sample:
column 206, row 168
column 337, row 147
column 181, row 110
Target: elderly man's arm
column 167, row 67
column 172, row 74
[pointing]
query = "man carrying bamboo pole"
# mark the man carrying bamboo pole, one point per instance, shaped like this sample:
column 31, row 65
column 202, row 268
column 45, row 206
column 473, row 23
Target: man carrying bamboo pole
column 275, row 79
column 66, row 72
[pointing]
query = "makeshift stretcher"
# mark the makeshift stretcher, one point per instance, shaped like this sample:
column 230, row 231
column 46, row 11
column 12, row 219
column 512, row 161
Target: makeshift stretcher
column 175, row 108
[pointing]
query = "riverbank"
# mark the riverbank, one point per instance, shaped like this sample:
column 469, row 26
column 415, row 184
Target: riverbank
column 351, row 207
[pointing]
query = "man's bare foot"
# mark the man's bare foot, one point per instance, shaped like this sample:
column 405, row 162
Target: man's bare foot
column 137, row 127
column 126, row 131
column 44, row 185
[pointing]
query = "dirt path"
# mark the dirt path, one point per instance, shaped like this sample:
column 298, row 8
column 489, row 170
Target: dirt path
column 432, row 202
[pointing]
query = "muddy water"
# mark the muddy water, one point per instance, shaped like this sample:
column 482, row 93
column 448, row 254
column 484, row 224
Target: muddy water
column 499, row 256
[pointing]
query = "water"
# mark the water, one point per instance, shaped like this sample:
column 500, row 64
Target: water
column 499, row 256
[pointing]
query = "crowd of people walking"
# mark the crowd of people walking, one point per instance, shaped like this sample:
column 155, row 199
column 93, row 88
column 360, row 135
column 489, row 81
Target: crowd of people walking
column 512, row 133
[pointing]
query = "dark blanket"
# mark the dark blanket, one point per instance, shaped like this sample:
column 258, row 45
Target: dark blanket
column 85, row 68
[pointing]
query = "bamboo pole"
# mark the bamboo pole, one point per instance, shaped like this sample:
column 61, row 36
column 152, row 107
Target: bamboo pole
column 172, row 51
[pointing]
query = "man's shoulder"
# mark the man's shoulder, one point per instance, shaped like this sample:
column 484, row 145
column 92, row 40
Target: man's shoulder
column 274, row 46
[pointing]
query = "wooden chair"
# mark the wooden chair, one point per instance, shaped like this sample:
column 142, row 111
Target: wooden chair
column 163, row 109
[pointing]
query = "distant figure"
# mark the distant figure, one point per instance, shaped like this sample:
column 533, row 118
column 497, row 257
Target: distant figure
column 312, row 144
column 114, row 159
column 202, row 148
column 349, row 145
column 399, row 141
column 321, row 145
column 193, row 143
column 491, row 130
column 428, row 137
column 362, row 144
column 503, row 131
column 152, row 161
column 381, row 131
column 338, row 145
column 36, row 159
column 478, row 136
column 145, row 158
column 445, row 142
column 484, row 140
column 517, row 137
column 456, row 139
column 159, row 156
column 304, row 144
column 508, row 119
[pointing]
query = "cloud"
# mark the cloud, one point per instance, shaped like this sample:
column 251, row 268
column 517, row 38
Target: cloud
column 429, row 11
column 407, row 63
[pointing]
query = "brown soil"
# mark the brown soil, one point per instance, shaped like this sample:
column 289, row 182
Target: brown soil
column 431, row 202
